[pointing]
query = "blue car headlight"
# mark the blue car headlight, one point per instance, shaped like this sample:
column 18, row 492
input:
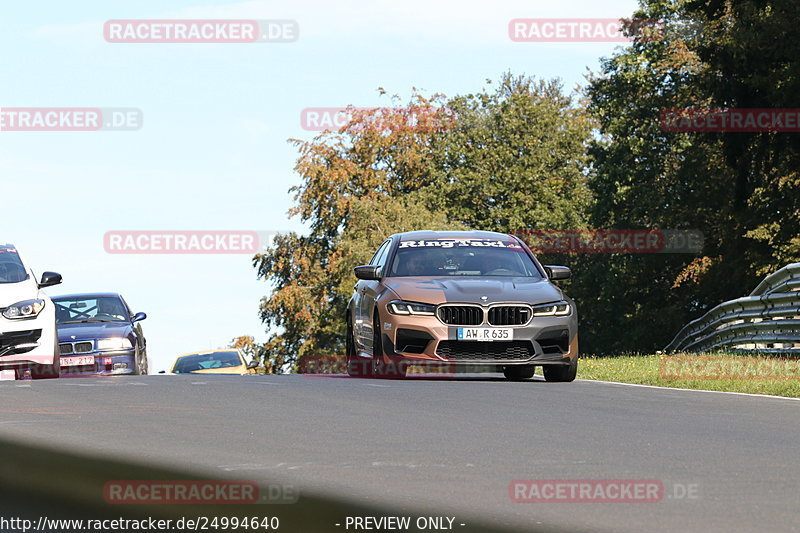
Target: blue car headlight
column 26, row 309
column 114, row 343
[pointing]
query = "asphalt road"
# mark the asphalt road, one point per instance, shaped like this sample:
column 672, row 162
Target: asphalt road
column 443, row 447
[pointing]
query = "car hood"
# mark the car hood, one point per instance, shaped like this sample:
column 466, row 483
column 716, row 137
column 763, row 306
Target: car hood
column 470, row 289
column 226, row 370
column 93, row 330
column 11, row 293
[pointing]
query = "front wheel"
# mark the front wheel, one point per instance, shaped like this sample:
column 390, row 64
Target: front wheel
column 141, row 363
column 561, row 373
column 380, row 368
column 357, row 367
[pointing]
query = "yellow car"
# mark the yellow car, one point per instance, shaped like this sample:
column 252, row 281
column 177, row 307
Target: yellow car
column 214, row 362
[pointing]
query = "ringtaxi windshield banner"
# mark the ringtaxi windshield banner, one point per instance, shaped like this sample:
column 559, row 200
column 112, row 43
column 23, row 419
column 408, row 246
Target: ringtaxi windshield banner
column 459, row 243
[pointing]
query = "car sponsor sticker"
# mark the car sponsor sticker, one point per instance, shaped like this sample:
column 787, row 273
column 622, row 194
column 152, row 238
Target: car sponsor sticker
column 459, row 243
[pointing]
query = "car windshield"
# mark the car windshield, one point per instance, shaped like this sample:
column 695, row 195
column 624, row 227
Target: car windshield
column 206, row 361
column 76, row 310
column 11, row 268
column 462, row 257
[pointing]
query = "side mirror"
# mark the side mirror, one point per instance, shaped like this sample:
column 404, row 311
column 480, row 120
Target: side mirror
column 557, row 272
column 252, row 364
column 138, row 317
column 368, row 272
column 49, row 279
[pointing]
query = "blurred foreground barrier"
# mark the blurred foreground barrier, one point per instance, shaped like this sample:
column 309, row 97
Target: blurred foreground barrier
column 40, row 487
column 768, row 320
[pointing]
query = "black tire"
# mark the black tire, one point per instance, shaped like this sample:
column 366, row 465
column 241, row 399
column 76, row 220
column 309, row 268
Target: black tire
column 561, row 373
column 519, row 372
column 141, row 363
column 381, row 369
column 357, row 367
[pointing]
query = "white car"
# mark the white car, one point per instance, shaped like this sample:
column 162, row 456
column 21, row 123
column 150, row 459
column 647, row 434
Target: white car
column 28, row 338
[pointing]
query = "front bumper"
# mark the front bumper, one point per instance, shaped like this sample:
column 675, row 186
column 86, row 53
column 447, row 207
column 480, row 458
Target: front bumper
column 427, row 341
column 28, row 341
column 109, row 363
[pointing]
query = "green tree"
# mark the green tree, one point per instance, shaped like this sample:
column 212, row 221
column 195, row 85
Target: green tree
column 753, row 61
column 247, row 344
column 739, row 189
column 516, row 158
column 360, row 185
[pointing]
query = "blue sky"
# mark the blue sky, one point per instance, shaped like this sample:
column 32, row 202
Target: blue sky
column 213, row 153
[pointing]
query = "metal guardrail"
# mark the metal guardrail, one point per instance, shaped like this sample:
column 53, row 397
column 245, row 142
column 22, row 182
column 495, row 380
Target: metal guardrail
column 786, row 279
column 768, row 320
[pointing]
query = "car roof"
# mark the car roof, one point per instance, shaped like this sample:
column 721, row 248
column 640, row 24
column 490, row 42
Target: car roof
column 86, row 295
column 9, row 248
column 428, row 234
column 208, row 352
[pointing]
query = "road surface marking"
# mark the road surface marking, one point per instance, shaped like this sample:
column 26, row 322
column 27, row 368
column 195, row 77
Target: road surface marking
column 690, row 390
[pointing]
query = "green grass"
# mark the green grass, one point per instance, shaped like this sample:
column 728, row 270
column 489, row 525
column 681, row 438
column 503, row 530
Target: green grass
column 647, row 370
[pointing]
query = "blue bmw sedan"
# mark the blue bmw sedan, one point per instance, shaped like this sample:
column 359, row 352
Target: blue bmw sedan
column 99, row 335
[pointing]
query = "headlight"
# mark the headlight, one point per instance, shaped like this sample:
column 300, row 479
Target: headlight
column 399, row 307
column 120, row 343
column 26, row 309
column 554, row 309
